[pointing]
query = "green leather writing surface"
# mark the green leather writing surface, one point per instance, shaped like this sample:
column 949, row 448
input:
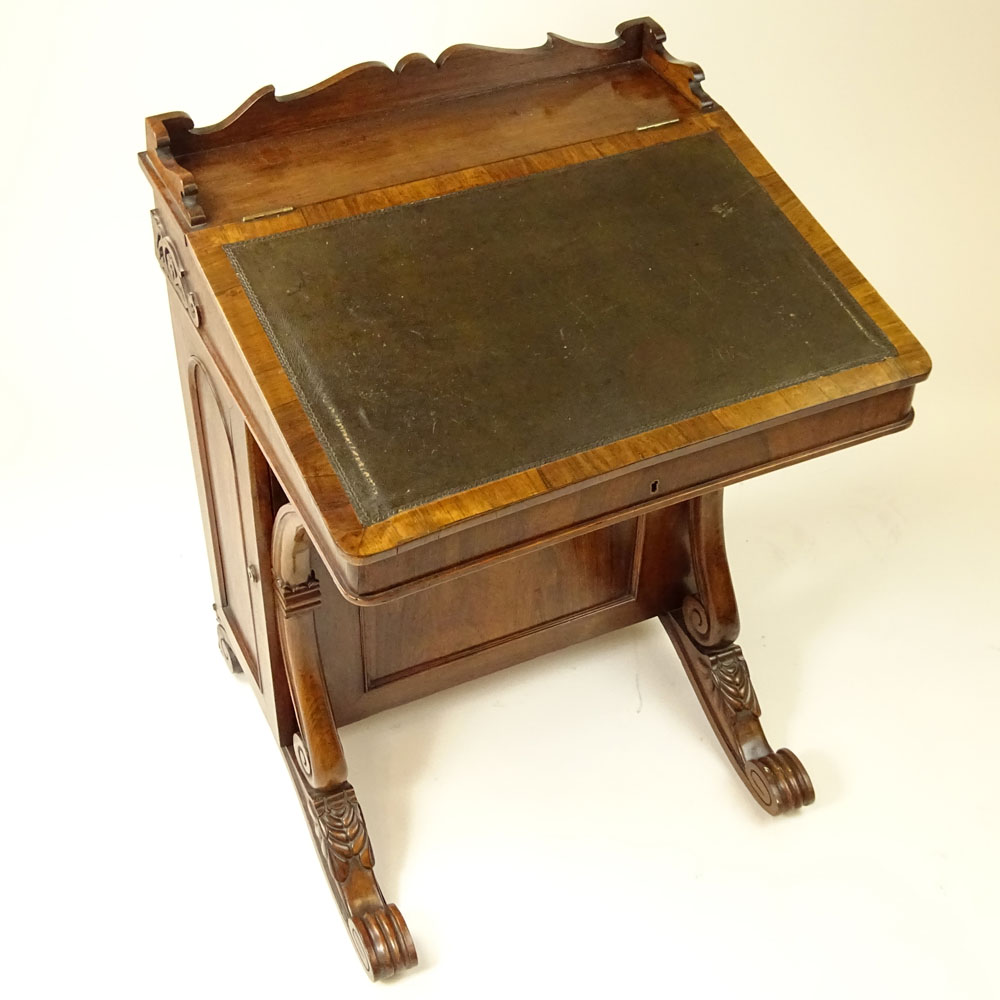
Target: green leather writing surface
column 453, row 341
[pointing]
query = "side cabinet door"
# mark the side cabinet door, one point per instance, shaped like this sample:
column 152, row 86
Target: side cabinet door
column 235, row 486
column 260, row 497
column 218, row 434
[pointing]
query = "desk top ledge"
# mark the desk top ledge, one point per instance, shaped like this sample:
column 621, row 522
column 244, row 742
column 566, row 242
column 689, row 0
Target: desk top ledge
column 275, row 153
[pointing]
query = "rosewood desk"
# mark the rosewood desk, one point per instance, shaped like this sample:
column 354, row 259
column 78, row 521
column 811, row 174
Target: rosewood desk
column 470, row 349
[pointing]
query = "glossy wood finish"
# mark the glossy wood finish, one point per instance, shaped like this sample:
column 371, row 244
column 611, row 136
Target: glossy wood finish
column 235, row 488
column 332, row 621
column 704, row 631
column 369, row 126
column 505, row 612
column 583, row 574
column 319, row 769
column 286, row 435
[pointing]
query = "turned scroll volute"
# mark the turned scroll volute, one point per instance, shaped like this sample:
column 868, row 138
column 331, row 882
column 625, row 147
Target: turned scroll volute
column 710, row 613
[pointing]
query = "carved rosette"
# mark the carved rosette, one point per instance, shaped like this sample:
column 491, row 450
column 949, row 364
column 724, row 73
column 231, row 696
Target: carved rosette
column 170, row 264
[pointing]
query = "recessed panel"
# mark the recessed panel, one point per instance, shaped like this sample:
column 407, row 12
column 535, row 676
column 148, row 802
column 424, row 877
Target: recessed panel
column 452, row 619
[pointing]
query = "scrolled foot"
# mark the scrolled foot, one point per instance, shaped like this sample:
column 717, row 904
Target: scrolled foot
column 340, row 836
column 383, row 942
column 227, row 653
column 318, row 767
column 779, row 782
column 704, row 631
column 720, row 678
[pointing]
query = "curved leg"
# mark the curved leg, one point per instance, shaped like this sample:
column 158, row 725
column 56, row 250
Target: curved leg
column 704, row 633
column 319, row 770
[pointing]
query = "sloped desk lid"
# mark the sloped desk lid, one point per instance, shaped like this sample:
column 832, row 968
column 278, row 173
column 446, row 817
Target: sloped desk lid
column 446, row 343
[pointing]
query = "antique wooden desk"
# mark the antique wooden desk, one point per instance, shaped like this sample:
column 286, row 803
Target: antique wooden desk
column 469, row 350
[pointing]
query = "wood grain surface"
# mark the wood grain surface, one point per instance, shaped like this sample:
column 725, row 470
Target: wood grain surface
column 334, row 620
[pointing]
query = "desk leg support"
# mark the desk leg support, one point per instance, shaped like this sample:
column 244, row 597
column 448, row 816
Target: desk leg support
column 227, row 653
column 318, row 767
column 704, row 632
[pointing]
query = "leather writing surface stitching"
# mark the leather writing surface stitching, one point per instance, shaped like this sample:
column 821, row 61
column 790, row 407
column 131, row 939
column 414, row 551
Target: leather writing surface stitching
column 450, row 342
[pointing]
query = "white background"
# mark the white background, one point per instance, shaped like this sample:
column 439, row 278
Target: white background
column 566, row 827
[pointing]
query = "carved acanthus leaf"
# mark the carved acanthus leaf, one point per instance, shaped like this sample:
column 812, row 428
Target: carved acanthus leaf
column 732, row 680
column 340, row 831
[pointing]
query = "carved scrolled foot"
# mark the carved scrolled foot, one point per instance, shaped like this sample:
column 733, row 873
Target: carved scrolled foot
column 776, row 779
column 227, row 653
column 317, row 765
column 383, row 942
column 779, row 782
column 340, row 836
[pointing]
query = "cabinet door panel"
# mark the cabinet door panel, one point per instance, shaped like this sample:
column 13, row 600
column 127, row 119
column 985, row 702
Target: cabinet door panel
column 223, row 511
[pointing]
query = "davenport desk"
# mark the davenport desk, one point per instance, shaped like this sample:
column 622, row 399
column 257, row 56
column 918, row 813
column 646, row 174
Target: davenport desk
column 470, row 349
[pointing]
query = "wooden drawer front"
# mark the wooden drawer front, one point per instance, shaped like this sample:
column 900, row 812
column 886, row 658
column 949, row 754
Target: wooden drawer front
column 577, row 577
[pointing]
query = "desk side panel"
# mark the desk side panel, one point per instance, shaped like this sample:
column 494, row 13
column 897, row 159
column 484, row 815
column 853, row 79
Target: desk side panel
column 385, row 655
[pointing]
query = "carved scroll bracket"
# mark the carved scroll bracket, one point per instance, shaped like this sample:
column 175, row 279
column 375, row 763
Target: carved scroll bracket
column 319, row 769
column 297, row 596
column 704, row 631
column 710, row 614
column 170, row 263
